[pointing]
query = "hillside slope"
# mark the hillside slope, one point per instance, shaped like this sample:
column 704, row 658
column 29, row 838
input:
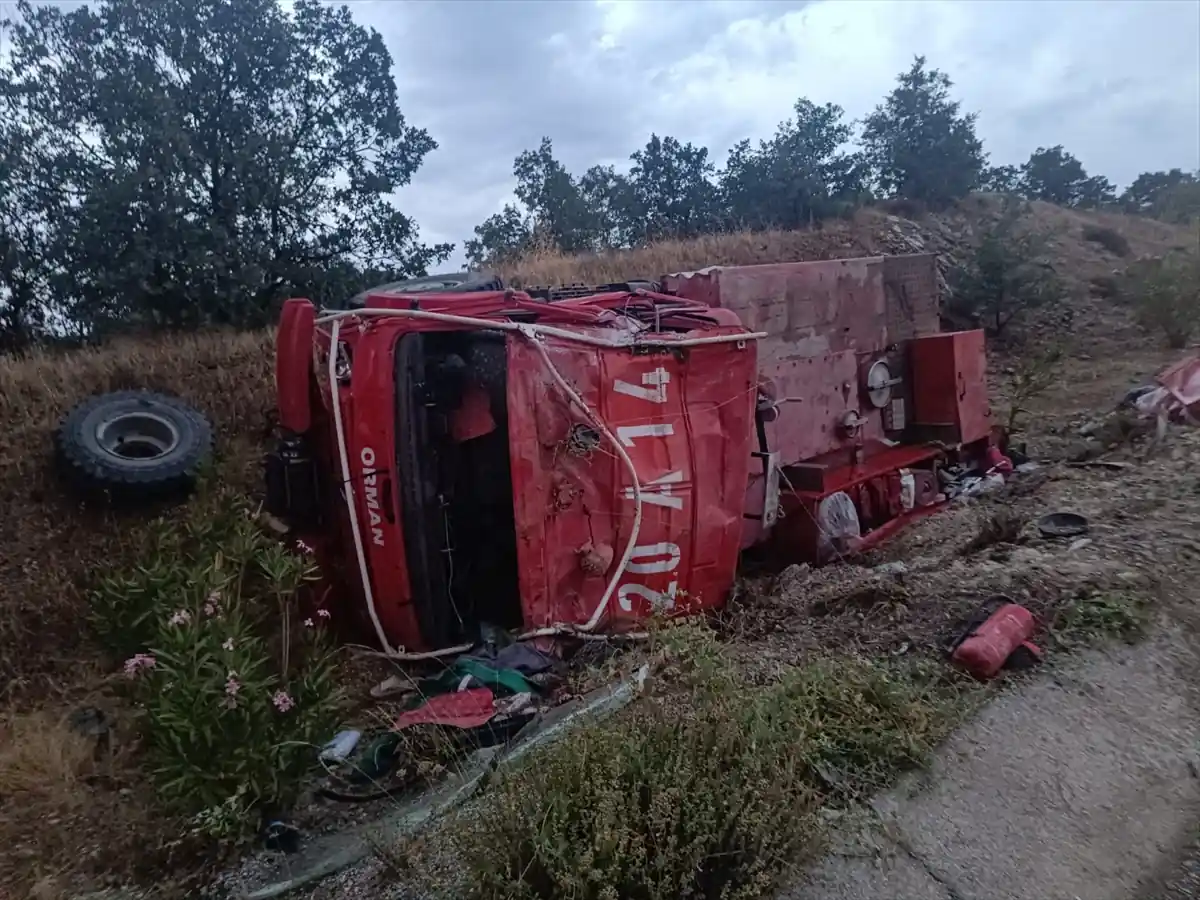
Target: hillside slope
column 1078, row 261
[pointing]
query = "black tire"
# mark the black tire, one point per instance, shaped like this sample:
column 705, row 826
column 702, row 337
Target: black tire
column 458, row 282
column 133, row 446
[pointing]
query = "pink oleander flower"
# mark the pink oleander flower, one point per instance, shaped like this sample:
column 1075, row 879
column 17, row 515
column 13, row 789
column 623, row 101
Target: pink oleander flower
column 323, row 613
column 308, row 623
column 180, row 617
column 303, row 547
column 283, row 701
column 137, row 662
column 232, row 685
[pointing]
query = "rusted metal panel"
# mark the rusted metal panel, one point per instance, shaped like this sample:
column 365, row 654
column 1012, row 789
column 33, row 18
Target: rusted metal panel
column 950, row 399
column 911, row 294
column 686, row 421
column 820, row 318
column 1183, row 381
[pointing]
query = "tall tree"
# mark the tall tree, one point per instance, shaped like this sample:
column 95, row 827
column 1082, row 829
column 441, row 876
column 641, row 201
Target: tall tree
column 1001, row 179
column 499, row 238
column 1053, row 175
column 800, row 176
column 670, row 192
column 1152, row 192
column 214, row 153
column 609, row 195
column 559, row 211
column 917, row 142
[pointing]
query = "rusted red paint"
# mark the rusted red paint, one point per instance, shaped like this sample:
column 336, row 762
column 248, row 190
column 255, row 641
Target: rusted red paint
column 825, row 321
column 689, row 439
column 950, row 385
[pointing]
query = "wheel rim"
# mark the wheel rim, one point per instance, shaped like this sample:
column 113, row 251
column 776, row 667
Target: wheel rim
column 137, row 436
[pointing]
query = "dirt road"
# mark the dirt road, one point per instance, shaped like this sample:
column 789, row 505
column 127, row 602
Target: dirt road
column 1081, row 783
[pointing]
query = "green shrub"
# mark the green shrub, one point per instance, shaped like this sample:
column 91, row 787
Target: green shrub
column 712, row 794
column 234, row 686
column 1166, row 294
column 1004, row 277
column 1108, row 238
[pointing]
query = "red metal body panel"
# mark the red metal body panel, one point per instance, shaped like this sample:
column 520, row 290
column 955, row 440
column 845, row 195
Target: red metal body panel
column 293, row 360
column 565, row 503
column 686, row 420
column 950, row 384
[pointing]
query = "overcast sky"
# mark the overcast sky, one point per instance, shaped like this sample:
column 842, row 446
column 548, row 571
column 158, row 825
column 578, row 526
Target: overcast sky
column 1117, row 83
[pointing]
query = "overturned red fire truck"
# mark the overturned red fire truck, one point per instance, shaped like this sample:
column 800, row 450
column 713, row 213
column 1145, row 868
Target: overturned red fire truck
column 575, row 459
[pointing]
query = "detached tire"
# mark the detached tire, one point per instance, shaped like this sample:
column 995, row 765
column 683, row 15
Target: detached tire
column 133, row 446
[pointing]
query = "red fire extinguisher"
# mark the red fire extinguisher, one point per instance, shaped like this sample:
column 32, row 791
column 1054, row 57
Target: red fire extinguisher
column 984, row 650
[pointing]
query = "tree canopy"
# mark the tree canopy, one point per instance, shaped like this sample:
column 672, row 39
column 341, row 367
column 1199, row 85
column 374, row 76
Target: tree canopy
column 186, row 162
column 919, row 145
column 1058, row 177
column 190, row 162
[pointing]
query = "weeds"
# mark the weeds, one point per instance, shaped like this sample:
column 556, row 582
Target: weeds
column 709, row 789
column 230, row 713
column 1005, row 277
column 1166, row 293
column 1097, row 616
column 1037, row 371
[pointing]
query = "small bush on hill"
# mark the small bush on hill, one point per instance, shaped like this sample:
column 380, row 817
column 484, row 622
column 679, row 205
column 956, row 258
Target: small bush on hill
column 1004, row 277
column 708, row 792
column 234, row 683
column 1166, row 293
column 1106, row 287
column 1108, row 238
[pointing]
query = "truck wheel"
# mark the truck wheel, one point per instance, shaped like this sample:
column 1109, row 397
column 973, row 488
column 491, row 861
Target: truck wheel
column 133, row 445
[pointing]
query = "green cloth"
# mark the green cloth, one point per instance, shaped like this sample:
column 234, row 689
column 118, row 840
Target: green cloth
column 511, row 681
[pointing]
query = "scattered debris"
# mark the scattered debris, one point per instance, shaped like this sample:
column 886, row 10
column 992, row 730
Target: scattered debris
column 340, row 747
column 328, row 854
column 462, row 709
column 1062, row 525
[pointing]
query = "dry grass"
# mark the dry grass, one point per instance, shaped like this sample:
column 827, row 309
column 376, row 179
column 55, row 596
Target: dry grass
column 863, row 236
column 53, row 547
column 66, row 815
column 70, row 807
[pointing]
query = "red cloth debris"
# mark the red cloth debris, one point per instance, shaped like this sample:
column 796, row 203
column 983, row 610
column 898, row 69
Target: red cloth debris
column 1183, row 381
column 465, row 709
column 473, row 418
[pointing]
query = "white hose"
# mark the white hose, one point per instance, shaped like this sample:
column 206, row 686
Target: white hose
column 532, row 333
